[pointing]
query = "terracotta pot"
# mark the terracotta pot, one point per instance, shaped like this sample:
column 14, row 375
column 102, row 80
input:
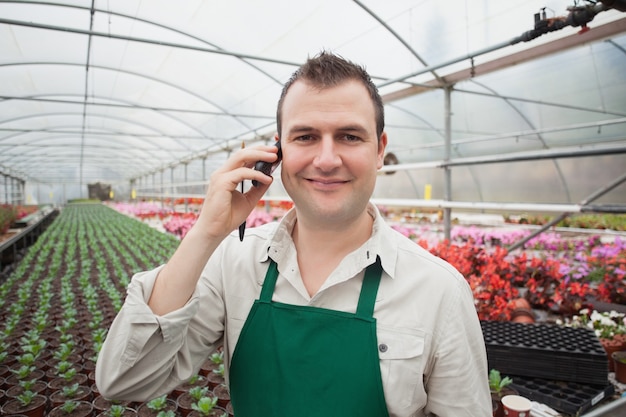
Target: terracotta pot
column 58, row 383
column 83, row 409
column 201, row 381
column 5, row 371
column 14, row 380
column 36, row 408
column 522, row 315
column 39, row 387
column 229, row 409
column 128, row 412
column 185, row 401
column 495, row 405
column 208, row 367
column 610, row 346
column 101, row 404
column 215, row 412
column 223, row 395
column 619, row 363
column 215, row 379
column 83, row 393
column 144, row 411
column 519, row 303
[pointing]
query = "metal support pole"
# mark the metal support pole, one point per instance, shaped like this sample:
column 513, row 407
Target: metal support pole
column 173, row 191
column 185, row 165
column 162, row 190
column 447, row 172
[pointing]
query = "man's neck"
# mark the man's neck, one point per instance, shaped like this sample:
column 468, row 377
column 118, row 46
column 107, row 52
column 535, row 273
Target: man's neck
column 321, row 248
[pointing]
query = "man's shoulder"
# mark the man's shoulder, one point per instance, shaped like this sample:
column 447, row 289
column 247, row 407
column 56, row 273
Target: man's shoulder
column 415, row 260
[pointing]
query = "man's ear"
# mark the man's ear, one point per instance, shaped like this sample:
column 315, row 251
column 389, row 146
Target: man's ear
column 382, row 145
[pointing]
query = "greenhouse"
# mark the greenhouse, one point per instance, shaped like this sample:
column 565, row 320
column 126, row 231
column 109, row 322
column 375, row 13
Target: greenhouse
column 505, row 157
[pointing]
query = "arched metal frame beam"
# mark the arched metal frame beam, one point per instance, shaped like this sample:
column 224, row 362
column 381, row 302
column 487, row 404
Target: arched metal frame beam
column 40, row 160
column 19, row 153
column 95, row 115
column 137, row 74
column 153, row 23
column 127, row 104
column 60, row 133
column 132, row 122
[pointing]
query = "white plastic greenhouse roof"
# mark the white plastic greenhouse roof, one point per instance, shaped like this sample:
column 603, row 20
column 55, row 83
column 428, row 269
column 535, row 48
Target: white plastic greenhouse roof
column 127, row 90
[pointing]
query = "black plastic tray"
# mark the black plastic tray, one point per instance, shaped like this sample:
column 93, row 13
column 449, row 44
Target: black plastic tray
column 566, row 397
column 547, row 351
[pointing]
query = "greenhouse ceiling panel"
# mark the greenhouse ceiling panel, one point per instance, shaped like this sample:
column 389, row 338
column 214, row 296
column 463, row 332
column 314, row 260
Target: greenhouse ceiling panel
column 119, row 90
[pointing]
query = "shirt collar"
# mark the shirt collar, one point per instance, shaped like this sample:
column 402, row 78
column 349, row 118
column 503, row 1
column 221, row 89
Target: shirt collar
column 279, row 244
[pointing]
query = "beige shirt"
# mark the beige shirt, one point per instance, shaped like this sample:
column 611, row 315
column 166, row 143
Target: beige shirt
column 433, row 360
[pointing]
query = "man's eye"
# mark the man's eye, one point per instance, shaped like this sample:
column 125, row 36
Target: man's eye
column 304, row 138
column 351, row 138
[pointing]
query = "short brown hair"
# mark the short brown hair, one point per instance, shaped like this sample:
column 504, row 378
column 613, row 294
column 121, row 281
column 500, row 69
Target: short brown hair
column 328, row 70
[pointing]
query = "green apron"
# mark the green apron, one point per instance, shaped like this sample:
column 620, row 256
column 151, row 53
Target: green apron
column 303, row 361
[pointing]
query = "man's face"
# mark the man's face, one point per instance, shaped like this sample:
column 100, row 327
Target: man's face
column 330, row 151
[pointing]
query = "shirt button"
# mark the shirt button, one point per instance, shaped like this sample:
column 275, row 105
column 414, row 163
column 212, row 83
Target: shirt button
column 383, row 348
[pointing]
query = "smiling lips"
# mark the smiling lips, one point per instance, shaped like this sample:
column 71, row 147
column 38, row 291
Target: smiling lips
column 326, row 182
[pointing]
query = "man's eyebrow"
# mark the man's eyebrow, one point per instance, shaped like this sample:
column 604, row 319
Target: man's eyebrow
column 301, row 129
column 353, row 128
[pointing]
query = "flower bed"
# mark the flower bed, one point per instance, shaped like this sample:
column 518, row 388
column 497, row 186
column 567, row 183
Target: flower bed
column 57, row 305
column 555, row 274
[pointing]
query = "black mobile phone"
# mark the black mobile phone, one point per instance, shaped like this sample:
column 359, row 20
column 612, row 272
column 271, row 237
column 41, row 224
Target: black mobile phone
column 268, row 167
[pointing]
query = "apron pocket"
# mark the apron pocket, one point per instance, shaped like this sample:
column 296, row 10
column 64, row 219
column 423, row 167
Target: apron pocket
column 401, row 353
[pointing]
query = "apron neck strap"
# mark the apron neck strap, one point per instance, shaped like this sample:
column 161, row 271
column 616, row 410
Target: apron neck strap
column 369, row 289
column 270, row 282
column 367, row 298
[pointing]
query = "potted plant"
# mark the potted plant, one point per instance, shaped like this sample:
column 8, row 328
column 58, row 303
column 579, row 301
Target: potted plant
column 118, row 410
column 27, row 403
column 213, row 362
column 619, row 363
column 207, row 407
column 71, row 408
column 73, row 392
column 223, row 395
column 499, row 387
column 186, row 400
column 216, row 376
column 156, row 406
column 35, row 385
column 609, row 327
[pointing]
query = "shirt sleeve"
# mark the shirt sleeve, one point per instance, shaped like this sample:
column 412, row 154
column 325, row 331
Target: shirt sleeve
column 146, row 355
column 458, row 384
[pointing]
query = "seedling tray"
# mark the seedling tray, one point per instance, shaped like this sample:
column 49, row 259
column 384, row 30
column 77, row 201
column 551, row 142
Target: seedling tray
column 547, row 351
column 566, row 397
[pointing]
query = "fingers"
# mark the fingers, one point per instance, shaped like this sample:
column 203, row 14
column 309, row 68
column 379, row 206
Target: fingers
column 226, row 205
column 239, row 167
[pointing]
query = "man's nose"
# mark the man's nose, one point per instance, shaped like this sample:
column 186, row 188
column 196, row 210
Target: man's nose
column 327, row 154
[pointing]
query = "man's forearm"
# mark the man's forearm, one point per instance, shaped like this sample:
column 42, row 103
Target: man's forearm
column 177, row 280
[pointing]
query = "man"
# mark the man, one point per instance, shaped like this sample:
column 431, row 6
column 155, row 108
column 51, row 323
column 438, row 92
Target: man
column 330, row 312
